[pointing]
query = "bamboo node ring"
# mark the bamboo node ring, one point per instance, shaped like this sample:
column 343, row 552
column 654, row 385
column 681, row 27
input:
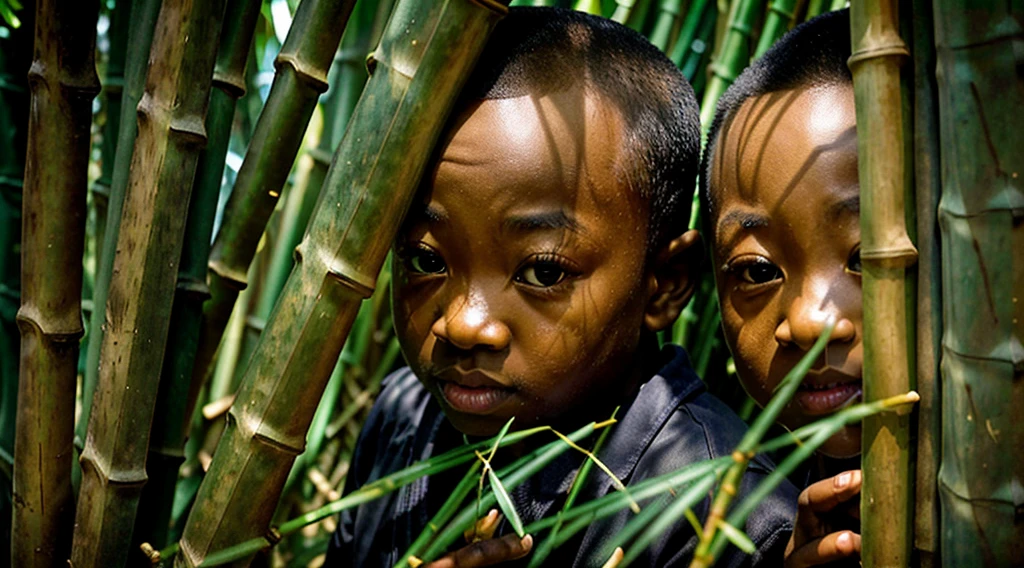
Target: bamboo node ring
column 492, row 5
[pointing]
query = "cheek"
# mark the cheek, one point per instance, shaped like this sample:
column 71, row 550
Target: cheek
column 753, row 347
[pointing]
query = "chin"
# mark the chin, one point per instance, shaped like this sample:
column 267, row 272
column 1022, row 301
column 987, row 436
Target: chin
column 845, row 443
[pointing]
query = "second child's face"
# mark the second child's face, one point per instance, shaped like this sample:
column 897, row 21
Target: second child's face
column 520, row 283
column 787, row 249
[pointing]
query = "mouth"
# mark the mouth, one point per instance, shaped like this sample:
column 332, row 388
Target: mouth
column 827, row 392
column 474, row 393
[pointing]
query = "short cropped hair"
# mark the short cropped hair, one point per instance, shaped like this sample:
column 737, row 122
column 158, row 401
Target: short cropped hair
column 812, row 54
column 538, row 50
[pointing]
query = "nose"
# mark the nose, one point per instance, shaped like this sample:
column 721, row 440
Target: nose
column 808, row 315
column 468, row 323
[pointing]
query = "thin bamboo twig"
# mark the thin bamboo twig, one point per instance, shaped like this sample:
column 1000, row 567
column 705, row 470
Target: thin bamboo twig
column 63, row 83
column 887, row 255
column 744, row 452
column 170, row 136
column 302, row 67
column 425, row 55
column 980, row 93
column 171, row 416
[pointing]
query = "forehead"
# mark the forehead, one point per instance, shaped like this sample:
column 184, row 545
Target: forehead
column 784, row 153
column 562, row 149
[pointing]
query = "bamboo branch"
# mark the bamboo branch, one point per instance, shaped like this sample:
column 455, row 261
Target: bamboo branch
column 170, row 135
column 425, row 55
column 62, row 82
column 887, row 255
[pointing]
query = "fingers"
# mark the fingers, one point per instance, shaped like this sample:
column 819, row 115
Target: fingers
column 486, row 553
column 826, row 494
column 829, row 548
column 484, row 527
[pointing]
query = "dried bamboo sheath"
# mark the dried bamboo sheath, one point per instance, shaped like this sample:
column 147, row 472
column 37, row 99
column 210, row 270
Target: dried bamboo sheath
column 425, row 55
column 170, row 136
column 62, row 82
column 886, row 254
column 981, row 94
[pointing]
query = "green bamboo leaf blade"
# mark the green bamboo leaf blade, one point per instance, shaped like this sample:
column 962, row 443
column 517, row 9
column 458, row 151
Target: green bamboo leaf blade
column 302, row 68
column 737, row 537
column 444, row 514
column 62, row 81
column 170, row 136
column 144, row 16
column 626, row 535
column 979, row 85
column 676, row 509
column 170, row 419
column 781, row 14
column 505, row 503
column 411, row 91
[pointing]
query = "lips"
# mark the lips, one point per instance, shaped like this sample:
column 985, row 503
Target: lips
column 827, row 391
column 474, row 392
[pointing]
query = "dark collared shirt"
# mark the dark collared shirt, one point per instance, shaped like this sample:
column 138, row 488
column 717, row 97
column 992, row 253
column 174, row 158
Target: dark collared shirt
column 672, row 422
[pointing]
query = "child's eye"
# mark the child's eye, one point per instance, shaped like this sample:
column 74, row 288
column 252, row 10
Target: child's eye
column 542, row 273
column 853, row 263
column 754, row 271
column 425, row 261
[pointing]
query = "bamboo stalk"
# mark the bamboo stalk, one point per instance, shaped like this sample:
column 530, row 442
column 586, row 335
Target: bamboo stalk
column 781, row 14
column 170, row 136
column 15, row 59
column 113, row 90
column 144, row 15
column 887, row 256
column 669, row 14
column 982, row 140
column 425, row 55
column 302, row 67
column 171, row 416
column 734, row 58
column 62, row 82
column 929, row 292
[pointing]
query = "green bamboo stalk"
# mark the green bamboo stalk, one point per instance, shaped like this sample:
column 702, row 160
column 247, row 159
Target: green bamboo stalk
column 62, row 82
column 15, row 59
column 632, row 13
column 735, row 55
column 669, row 12
column 697, row 12
column 982, row 140
column 425, row 55
column 781, row 14
column 171, row 416
column 927, row 190
column 144, row 15
column 113, row 90
column 302, row 67
column 588, row 6
column 171, row 134
column 887, row 255
column 814, row 8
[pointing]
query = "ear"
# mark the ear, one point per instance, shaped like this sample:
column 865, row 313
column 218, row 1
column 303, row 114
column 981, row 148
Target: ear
column 672, row 278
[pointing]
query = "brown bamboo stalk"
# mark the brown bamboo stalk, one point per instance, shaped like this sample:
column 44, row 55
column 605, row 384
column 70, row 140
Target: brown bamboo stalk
column 887, row 256
column 62, row 82
column 426, row 53
column 171, row 134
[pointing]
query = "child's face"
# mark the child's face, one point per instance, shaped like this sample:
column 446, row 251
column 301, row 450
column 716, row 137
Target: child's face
column 787, row 249
column 520, row 283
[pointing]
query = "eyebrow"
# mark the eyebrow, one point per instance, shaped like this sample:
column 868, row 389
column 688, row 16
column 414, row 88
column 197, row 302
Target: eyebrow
column 432, row 215
column 545, row 221
column 743, row 220
column 846, row 206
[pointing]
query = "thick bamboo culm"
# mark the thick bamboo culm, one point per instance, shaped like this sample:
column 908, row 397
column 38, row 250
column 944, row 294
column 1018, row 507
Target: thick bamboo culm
column 140, row 36
column 927, row 189
column 887, row 256
column 62, row 82
column 426, row 53
column 171, row 417
column 170, row 136
column 302, row 67
column 981, row 94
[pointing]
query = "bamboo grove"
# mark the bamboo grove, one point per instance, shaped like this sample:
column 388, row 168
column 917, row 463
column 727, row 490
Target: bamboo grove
column 193, row 279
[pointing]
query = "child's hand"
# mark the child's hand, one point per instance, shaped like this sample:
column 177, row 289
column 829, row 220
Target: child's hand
column 483, row 549
column 486, row 552
column 815, row 539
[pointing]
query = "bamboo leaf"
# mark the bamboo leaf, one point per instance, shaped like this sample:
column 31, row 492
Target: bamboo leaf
column 505, row 503
column 737, row 537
